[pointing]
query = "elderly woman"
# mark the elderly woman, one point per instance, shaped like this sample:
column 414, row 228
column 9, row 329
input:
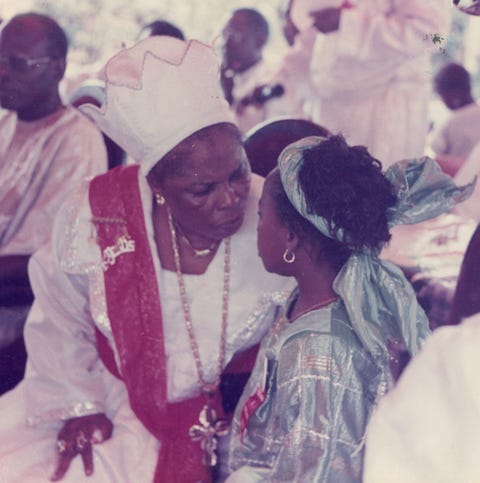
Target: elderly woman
column 150, row 288
column 324, row 216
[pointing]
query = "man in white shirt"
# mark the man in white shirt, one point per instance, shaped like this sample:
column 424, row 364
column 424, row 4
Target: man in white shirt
column 244, row 68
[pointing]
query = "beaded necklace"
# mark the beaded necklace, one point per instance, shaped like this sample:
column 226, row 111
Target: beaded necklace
column 210, row 428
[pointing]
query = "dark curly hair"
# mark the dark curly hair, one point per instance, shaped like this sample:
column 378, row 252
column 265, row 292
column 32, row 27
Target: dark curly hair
column 345, row 185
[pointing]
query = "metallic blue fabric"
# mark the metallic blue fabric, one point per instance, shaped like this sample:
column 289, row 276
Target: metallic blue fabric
column 324, row 373
column 322, row 389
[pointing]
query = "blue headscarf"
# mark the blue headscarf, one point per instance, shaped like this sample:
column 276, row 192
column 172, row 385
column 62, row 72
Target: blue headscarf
column 380, row 302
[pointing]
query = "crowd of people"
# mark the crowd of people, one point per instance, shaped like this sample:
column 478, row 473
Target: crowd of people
column 193, row 286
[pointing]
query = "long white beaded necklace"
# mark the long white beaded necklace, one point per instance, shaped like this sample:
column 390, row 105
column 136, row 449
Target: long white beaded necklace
column 210, row 428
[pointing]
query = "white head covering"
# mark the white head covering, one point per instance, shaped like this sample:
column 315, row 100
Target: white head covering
column 158, row 93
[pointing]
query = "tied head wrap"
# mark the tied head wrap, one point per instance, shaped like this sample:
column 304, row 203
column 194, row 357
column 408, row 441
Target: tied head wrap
column 159, row 92
column 380, row 302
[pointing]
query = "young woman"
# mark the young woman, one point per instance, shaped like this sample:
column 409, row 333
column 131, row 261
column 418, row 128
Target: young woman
column 333, row 351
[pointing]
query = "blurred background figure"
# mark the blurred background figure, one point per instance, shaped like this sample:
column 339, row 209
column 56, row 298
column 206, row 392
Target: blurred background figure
column 426, row 428
column 370, row 70
column 287, row 91
column 46, row 149
column 264, row 142
column 244, row 68
column 161, row 27
column 453, row 141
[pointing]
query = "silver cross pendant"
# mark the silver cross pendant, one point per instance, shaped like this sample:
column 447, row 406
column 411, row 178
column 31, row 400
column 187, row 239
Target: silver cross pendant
column 207, row 433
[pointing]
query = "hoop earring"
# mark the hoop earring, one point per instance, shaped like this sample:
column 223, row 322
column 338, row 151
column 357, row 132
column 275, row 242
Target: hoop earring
column 285, row 256
column 159, row 199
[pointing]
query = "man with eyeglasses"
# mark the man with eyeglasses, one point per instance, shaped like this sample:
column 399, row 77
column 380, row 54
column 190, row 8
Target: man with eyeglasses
column 46, row 149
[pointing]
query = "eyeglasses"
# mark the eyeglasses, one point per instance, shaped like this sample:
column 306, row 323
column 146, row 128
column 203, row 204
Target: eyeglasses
column 21, row 63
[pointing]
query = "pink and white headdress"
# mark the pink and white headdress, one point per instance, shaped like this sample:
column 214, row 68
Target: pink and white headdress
column 157, row 93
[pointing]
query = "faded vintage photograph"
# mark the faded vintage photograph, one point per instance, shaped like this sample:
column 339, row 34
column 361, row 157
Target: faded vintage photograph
column 239, row 241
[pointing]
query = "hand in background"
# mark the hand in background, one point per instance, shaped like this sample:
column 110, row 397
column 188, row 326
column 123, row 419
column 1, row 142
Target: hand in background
column 326, row 20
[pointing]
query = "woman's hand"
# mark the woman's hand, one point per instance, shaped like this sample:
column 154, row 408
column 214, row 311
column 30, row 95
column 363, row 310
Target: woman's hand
column 76, row 437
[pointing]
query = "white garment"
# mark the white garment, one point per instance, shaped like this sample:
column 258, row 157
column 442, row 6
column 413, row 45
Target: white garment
column 372, row 75
column 65, row 377
column 41, row 162
column 426, row 429
column 293, row 74
column 459, row 134
column 470, row 168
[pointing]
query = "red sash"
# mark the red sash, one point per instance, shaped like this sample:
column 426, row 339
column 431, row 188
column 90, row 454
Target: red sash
column 135, row 314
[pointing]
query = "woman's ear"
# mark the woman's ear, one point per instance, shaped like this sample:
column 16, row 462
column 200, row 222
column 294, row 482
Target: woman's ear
column 293, row 241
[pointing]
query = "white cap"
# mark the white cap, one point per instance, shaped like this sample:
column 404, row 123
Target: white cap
column 159, row 92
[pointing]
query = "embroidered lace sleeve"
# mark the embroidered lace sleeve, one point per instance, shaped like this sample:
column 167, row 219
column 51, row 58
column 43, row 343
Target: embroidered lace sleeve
column 64, row 373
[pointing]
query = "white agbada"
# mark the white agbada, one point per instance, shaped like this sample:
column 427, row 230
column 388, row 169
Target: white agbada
column 372, row 76
column 65, row 377
column 41, row 162
column 426, row 429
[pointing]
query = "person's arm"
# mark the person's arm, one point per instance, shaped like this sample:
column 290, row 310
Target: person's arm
column 64, row 379
column 327, row 20
column 395, row 31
